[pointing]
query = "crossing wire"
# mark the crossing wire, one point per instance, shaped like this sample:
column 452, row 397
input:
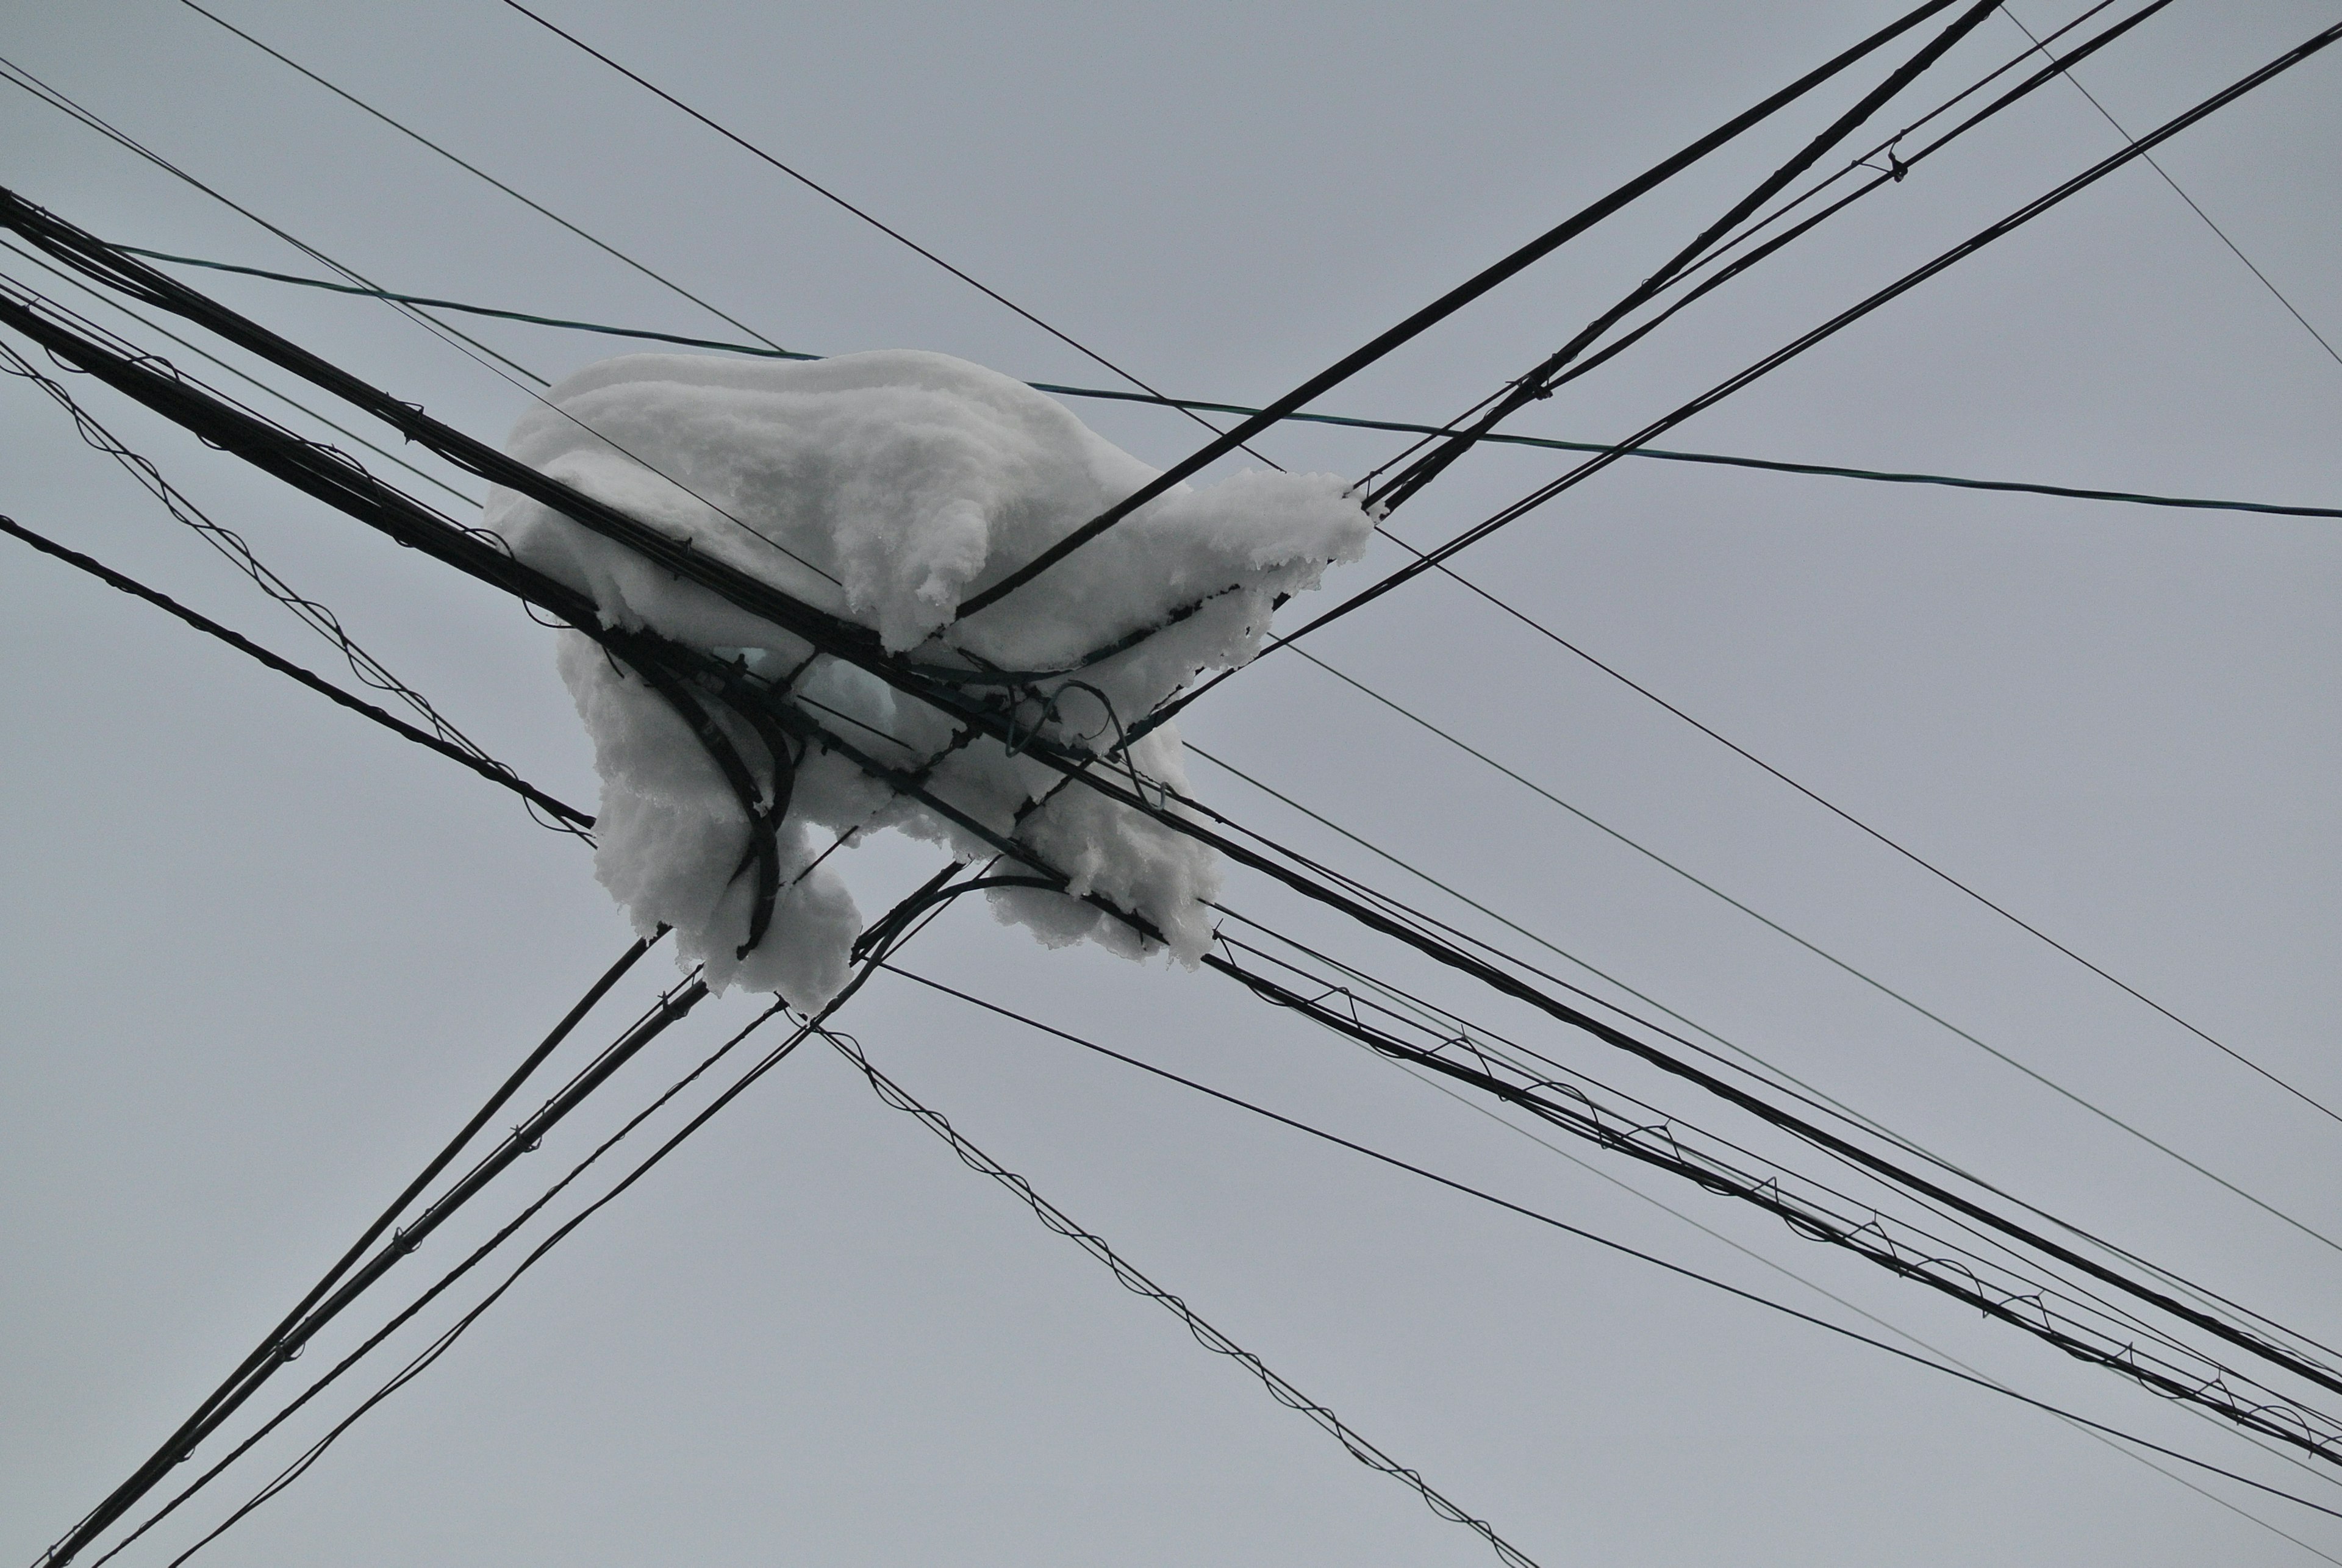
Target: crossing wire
column 846, row 642
column 2106, row 114
column 1975, row 243
column 1612, row 452
column 1496, row 437
column 487, row 768
column 1447, row 305
column 1566, row 1227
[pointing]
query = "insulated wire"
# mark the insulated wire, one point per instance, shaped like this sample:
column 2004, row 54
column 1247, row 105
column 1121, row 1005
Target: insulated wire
column 470, row 347
column 510, row 574
column 2183, row 1022
column 1502, row 438
column 1485, row 1196
column 1452, row 1029
column 1536, row 498
column 1994, row 1052
column 1211, row 1338
column 1539, row 790
column 487, row 768
column 832, row 196
column 1447, row 305
column 12, row 248
column 2107, row 114
column 1699, row 457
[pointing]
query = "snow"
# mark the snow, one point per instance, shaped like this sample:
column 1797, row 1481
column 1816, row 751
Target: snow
column 884, row 487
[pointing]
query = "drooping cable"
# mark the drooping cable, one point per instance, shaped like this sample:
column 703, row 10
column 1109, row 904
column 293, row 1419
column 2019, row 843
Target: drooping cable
column 1497, row 437
column 896, row 1097
column 1774, row 361
column 494, row 771
column 1565, row 1226
column 1447, row 305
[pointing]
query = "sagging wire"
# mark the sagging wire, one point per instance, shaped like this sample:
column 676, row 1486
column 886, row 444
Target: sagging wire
column 383, row 509
column 1657, row 1144
column 896, row 1097
column 808, row 1024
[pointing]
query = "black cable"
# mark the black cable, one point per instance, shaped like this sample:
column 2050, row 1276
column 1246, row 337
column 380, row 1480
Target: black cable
column 494, row 771
column 1781, row 357
column 385, row 508
column 1538, row 382
column 440, row 1346
column 1550, row 376
column 1443, row 307
column 1211, row 1338
column 1584, row 1234
column 328, row 1299
column 832, row 196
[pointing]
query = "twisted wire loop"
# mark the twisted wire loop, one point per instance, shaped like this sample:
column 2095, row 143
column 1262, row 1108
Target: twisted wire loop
column 2073, row 1325
column 894, row 1096
column 369, row 670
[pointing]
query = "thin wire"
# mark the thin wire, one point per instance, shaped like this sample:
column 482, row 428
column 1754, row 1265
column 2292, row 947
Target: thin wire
column 2233, row 247
column 896, row 1097
column 1771, row 362
column 439, row 1347
column 352, row 98
column 487, row 768
column 1481, row 283
column 1584, row 1234
column 827, row 194
column 2063, row 492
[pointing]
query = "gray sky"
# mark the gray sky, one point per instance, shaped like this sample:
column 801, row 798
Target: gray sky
column 262, row 958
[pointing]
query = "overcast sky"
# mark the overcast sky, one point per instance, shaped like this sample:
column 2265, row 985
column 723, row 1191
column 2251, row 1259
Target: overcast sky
column 262, row 958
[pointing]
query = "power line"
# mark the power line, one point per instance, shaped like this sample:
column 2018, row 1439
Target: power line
column 385, row 508
column 2222, row 233
column 1211, row 1338
column 349, row 1279
column 1836, row 324
column 1483, row 1195
column 487, row 768
column 1538, row 382
column 1502, row 438
column 832, row 196
column 1447, row 305
column 655, row 277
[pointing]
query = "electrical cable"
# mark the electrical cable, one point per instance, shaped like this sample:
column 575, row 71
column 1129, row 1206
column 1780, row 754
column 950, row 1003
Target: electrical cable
column 296, row 405
column 1551, row 376
column 328, row 1298
column 1538, row 382
column 440, row 1345
column 1764, row 464
column 1584, row 1234
column 832, row 196
column 1781, row 357
column 494, row 771
column 1443, row 307
column 271, row 453
column 2092, row 98
column 897, row 1097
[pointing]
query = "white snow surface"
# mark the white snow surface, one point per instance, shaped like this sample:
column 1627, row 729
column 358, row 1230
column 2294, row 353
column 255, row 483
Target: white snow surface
column 884, row 487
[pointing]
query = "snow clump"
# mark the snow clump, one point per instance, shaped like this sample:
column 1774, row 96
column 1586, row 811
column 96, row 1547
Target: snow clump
column 885, row 488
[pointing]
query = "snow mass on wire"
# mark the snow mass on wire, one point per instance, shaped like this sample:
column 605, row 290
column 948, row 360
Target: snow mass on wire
column 883, row 488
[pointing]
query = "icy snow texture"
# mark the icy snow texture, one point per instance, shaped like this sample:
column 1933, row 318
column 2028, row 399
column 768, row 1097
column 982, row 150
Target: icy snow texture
column 901, row 481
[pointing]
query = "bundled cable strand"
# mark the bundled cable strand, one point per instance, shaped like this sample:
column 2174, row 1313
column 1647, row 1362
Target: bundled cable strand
column 349, row 489
column 1395, row 1013
column 1128, row 1276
